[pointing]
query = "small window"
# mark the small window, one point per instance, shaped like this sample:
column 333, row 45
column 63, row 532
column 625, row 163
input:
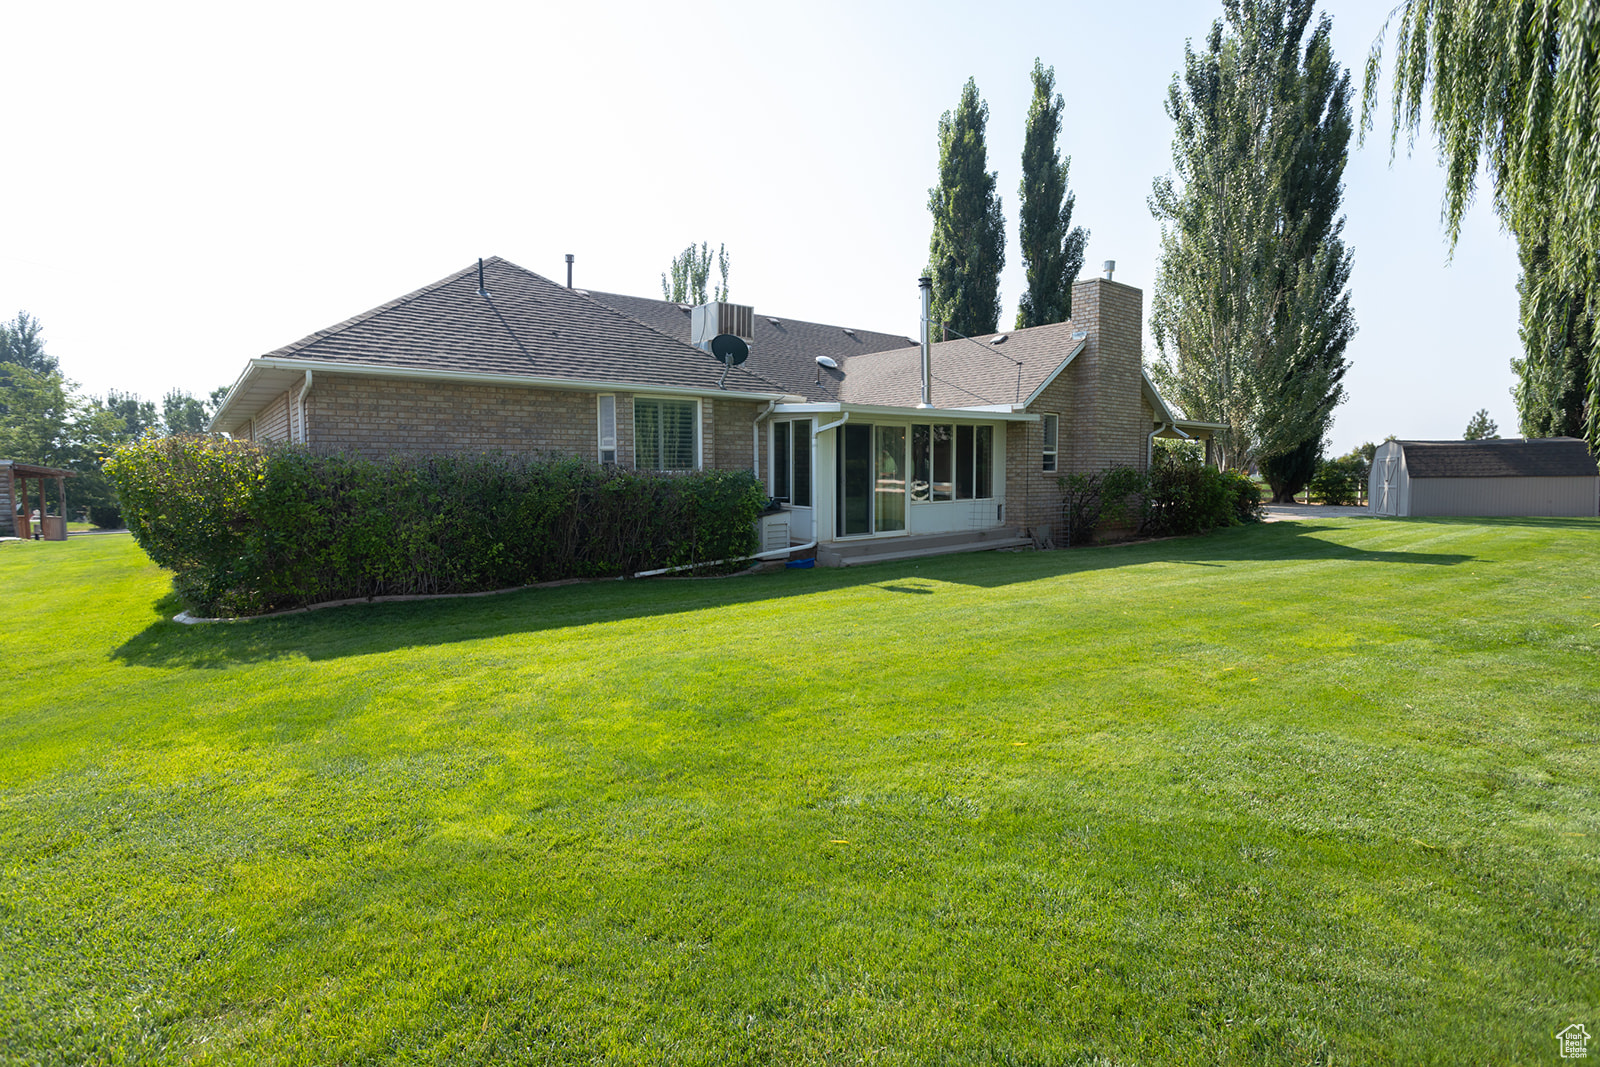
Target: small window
column 665, row 433
column 791, row 462
column 608, row 428
column 1052, row 429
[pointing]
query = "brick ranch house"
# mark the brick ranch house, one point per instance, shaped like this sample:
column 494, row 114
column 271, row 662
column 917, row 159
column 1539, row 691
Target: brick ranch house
column 870, row 457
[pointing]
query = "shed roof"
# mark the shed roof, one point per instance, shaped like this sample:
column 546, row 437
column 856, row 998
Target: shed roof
column 1512, row 457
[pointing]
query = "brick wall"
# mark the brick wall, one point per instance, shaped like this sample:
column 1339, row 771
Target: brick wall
column 1105, row 420
column 376, row 417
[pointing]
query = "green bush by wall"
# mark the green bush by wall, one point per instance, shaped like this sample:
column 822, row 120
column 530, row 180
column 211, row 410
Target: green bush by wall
column 247, row 529
column 1178, row 495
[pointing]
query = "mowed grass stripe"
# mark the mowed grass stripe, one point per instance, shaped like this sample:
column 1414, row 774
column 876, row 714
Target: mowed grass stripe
column 1300, row 793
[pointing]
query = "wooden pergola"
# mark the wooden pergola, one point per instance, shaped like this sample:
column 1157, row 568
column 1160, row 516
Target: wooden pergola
column 20, row 503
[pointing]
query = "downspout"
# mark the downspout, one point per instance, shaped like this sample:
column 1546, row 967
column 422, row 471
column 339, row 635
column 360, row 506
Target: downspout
column 755, row 437
column 926, row 285
column 300, row 409
column 772, row 553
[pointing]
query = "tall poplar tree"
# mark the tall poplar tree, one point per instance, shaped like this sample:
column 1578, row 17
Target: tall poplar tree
column 1052, row 249
column 968, row 247
column 691, row 271
column 1251, row 309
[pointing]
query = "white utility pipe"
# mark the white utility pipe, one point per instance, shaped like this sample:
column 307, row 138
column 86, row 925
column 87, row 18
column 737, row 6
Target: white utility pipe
column 755, row 438
column 300, row 406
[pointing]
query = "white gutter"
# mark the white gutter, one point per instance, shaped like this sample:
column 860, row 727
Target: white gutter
column 995, row 413
column 300, row 407
column 755, row 438
column 534, row 381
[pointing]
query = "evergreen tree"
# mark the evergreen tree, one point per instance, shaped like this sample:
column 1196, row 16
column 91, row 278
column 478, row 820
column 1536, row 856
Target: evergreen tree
column 1051, row 249
column 687, row 278
column 1515, row 89
column 1481, row 427
column 1251, row 309
column 22, row 345
column 968, row 247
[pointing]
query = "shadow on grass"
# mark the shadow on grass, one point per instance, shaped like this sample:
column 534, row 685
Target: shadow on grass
column 360, row 630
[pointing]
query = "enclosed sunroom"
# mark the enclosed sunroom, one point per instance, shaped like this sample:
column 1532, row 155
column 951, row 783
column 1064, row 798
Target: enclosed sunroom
column 857, row 472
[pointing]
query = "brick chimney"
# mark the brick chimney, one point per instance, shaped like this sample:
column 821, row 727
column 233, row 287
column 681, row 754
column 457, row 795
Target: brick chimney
column 1110, row 425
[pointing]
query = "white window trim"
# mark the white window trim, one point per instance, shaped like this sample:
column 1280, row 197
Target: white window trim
column 1051, row 450
column 600, row 426
column 699, row 426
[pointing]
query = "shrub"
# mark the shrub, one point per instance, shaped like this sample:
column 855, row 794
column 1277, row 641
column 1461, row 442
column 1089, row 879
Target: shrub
column 1338, row 481
column 1187, row 497
column 247, row 529
column 106, row 516
column 1088, row 501
column 1178, row 495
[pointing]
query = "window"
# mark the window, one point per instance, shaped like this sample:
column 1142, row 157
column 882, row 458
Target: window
column 1052, row 430
column 608, row 429
column 665, row 433
column 791, row 462
column 952, row 462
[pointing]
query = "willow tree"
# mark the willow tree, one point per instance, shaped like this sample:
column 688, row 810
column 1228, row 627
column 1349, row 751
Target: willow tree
column 1251, row 309
column 968, row 246
column 1052, row 248
column 1514, row 89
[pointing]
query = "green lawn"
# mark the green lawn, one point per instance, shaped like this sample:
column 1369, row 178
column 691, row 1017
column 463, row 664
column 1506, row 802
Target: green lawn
column 1308, row 793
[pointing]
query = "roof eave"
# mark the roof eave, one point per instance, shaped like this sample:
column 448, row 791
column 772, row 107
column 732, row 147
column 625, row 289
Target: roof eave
column 227, row 419
column 976, row 414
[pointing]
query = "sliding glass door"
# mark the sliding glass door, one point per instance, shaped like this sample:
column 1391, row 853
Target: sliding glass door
column 871, row 479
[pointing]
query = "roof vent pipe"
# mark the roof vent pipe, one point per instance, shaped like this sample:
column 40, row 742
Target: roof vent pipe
column 569, row 270
column 926, row 284
column 1110, row 266
column 481, row 290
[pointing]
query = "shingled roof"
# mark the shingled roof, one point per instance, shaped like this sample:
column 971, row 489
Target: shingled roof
column 1514, row 457
column 783, row 351
column 528, row 326
column 995, row 369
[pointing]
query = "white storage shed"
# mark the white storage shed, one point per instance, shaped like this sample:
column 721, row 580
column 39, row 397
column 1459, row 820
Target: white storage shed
column 1514, row 476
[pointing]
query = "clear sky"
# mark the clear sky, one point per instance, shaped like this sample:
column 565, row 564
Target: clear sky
column 191, row 185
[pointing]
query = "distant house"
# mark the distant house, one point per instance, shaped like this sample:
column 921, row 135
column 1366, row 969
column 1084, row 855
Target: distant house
column 868, row 451
column 1541, row 476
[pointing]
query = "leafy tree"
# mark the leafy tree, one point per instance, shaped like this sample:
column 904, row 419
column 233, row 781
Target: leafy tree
column 122, row 416
column 1514, row 88
column 1051, row 249
column 686, row 280
column 37, row 417
column 1289, row 472
column 214, row 401
column 1481, row 427
column 22, row 345
column 968, row 247
column 1251, row 308
column 1558, row 342
column 182, row 413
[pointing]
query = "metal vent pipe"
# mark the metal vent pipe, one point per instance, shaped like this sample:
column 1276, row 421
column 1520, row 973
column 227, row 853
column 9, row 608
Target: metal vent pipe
column 926, row 284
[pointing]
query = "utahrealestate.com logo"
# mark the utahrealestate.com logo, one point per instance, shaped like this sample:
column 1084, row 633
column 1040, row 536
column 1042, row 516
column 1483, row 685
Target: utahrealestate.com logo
column 1574, row 1042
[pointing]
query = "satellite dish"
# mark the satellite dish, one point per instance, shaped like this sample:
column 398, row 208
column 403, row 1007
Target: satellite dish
column 730, row 349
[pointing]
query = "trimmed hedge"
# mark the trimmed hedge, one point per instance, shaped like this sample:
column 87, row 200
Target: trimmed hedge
column 247, row 529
